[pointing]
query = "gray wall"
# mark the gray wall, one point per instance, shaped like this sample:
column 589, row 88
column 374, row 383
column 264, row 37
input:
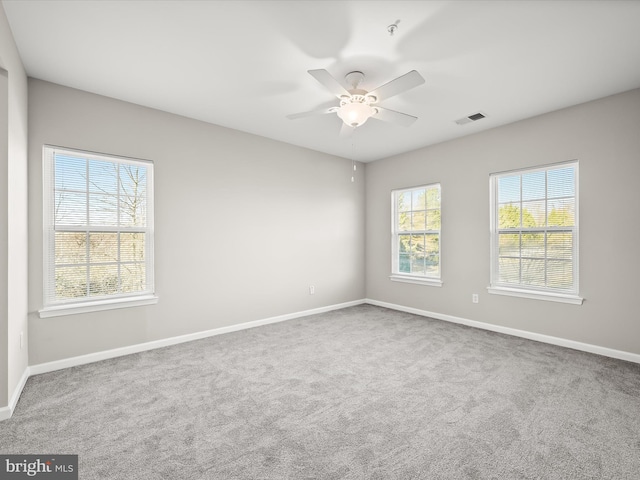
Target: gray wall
column 13, row 214
column 243, row 224
column 604, row 135
column 4, row 234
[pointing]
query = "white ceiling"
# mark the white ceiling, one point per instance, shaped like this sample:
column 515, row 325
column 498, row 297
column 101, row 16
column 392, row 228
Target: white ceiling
column 243, row 64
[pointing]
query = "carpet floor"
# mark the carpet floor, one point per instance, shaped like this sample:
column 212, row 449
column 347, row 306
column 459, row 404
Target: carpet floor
column 359, row 393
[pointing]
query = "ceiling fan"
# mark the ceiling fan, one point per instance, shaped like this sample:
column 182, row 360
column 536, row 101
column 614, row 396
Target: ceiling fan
column 357, row 105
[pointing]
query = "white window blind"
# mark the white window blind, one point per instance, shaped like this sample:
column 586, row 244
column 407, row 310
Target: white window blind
column 98, row 227
column 534, row 230
column 416, row 234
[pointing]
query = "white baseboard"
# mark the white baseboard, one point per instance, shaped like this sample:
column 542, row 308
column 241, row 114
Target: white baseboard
column 6, row 412
column 165, row 342
column 562, row 342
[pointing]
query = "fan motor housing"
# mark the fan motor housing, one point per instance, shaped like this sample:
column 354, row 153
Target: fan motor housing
column 354, row 78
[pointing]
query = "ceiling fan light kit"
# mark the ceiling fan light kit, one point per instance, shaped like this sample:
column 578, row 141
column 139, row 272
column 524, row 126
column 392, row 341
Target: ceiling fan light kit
column 356, row 110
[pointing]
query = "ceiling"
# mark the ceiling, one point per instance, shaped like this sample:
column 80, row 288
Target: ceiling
column 243, row 64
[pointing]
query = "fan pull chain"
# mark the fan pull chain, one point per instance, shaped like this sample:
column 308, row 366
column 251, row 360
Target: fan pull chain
column 353, row 162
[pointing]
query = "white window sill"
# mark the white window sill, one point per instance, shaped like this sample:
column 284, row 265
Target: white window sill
column 547, row 296
column 96, row 306
column 432, row 282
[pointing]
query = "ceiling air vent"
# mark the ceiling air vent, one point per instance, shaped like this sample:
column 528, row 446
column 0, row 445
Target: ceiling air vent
column 471, row 118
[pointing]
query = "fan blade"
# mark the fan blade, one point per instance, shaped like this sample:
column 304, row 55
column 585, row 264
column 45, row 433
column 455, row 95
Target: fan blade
column 392, row 116
column 321, row 111
column 329, row 82
column 401, row 84
column 346, row 130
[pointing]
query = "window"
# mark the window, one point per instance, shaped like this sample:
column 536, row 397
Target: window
column 98, row 232
column 416, row 235
column 534, row 233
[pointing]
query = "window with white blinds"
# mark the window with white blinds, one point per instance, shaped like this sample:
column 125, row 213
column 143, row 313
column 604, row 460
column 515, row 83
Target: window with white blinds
column 416, row 235
column 534, row 232
column 98, row 231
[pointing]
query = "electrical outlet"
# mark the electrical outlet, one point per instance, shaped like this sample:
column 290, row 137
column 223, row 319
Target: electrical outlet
column 312, row 289
column 474, row 298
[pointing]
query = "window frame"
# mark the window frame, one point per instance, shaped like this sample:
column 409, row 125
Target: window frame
column 52, row 307
column 570, row 295
column 396, row 275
